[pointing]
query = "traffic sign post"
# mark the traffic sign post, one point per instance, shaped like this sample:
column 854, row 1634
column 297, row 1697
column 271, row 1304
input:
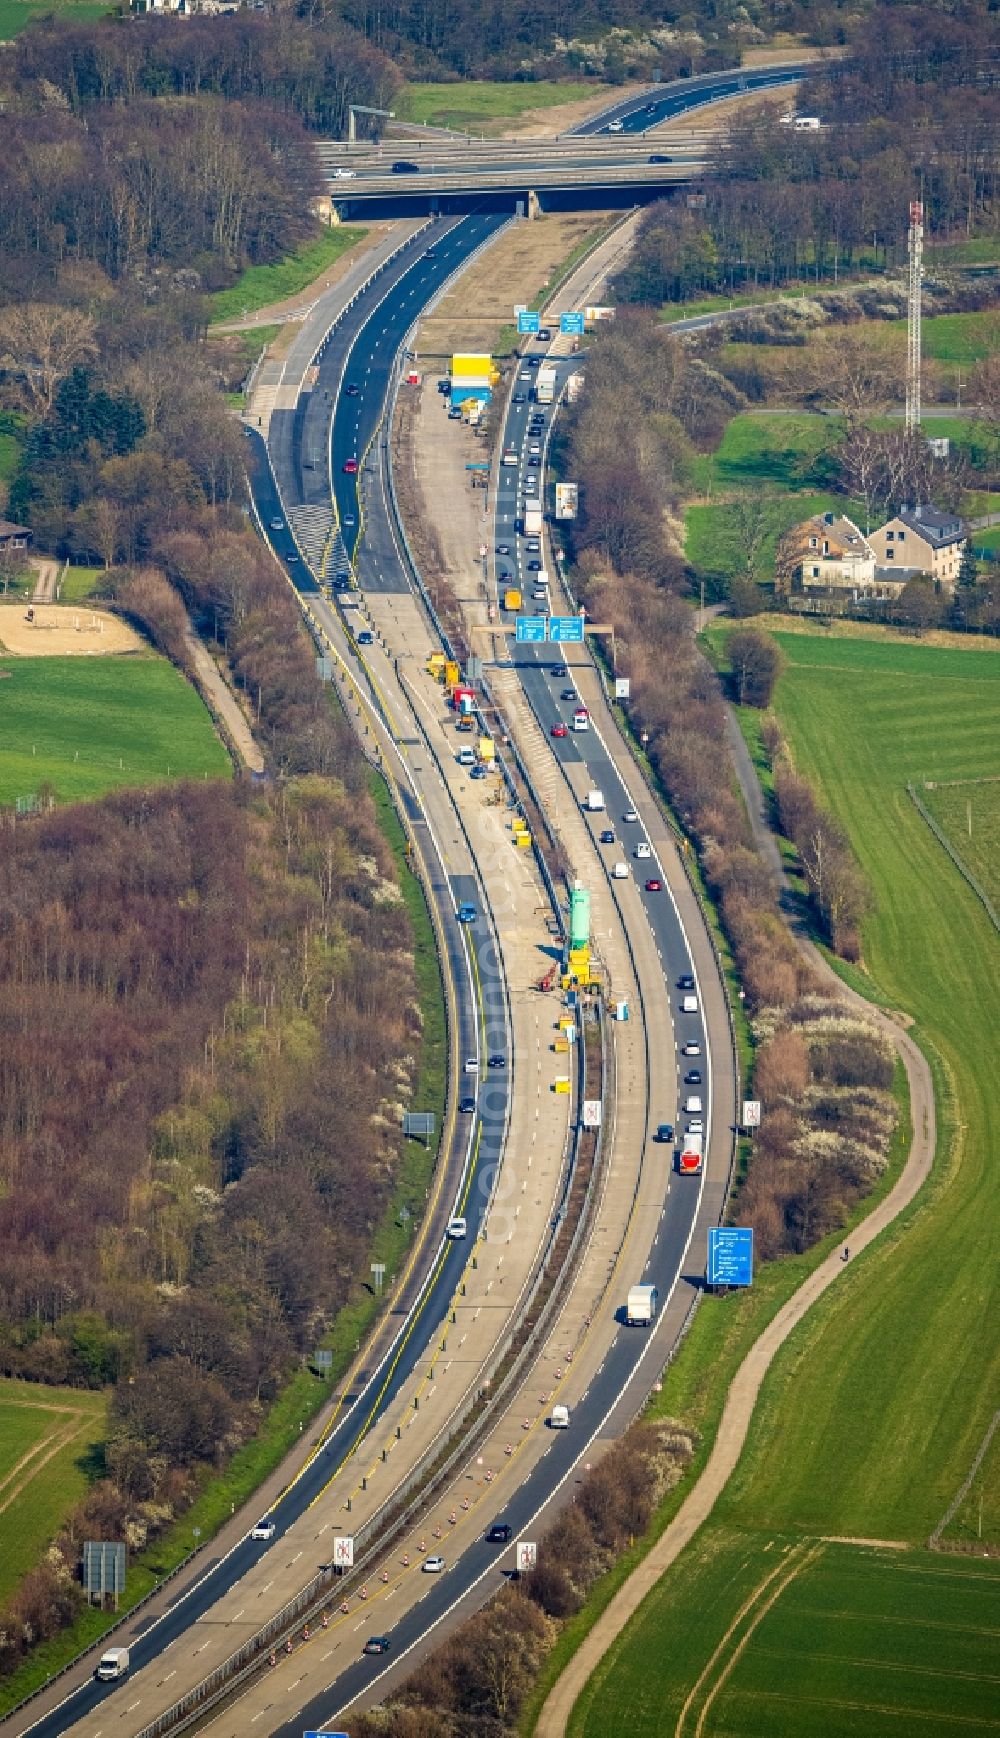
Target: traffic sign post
column 751, row 1113
column 568, row 629
column 527, row 1555
column 530, row 630
column 571, row 325
column 730, row 1255
column 528, row 321
column 343, row 1551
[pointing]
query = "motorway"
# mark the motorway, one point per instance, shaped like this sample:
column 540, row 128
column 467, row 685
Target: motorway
column 362, row 350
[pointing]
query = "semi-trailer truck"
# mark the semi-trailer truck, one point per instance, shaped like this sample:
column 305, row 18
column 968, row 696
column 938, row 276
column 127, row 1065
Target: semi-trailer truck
column 641, row 1306
column 532, row 520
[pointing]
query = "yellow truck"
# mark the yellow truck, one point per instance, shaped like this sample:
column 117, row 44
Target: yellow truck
column 511, row 599
column 487, row 749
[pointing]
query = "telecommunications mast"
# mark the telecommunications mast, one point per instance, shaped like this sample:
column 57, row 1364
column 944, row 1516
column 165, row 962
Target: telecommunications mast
column 916, row 255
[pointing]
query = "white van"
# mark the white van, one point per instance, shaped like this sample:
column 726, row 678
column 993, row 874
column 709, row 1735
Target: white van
column 619, row 872
column 643, row 850
column 559, row 1418
column 457, row 1228
column 689, row 1004
column 692, row 1106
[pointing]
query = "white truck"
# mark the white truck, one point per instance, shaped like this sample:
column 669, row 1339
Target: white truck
column 112, row 1664
column 559, row 1418
column 641, row 1306
column 595, row 801
column 545, row 384
column 532, row 519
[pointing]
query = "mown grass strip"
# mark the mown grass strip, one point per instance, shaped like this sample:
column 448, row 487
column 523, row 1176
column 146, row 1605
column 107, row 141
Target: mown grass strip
column 260, row 286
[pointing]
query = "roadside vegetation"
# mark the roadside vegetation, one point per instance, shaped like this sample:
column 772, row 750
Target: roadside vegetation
column 260, row 286
column 485, row 106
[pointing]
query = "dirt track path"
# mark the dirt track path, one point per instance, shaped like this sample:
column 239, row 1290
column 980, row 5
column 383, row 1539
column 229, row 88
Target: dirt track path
column 746, row 1384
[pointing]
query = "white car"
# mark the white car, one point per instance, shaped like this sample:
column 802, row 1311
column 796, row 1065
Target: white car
column 343, row 174
column 457, row 1229
column 693, row 1105
column 696, row 1127
column 691, row 1049
column 630, row 815
column 432, row 1565
column 616, row 126
column 643, row 850
column 472, row 1065
column 264, row 1530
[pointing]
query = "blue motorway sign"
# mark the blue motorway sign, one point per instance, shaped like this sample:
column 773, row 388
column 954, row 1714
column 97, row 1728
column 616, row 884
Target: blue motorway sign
column 730, row 1255
column 530, row 628
column 571, row 325
column 566, row 628
column 529, row 321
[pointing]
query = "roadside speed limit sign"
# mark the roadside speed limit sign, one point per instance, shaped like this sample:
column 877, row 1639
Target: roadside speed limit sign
column 527, row 1555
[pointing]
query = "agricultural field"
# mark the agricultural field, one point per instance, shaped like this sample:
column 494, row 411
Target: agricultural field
column 82, row 726
column 782, row 1637
column 48, row 1443
column 873, row 1414
column 968, row 812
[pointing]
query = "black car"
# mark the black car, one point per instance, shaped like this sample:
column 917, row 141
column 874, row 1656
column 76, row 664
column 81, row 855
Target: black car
column 607, row 837
column 568, row 694
column 658, row 157
column 497, row 1062
column 693, row 1077
column 559, row 671
column 534, row 565
column 376, row 1644
column 543, row 335
column 534, row 459
column 352, row 390
column 503, row 548
column 405, row 168
column 519, row 398
column 466, row 1107
column 500, row 1533
column 685, row 981
column 665, row 1131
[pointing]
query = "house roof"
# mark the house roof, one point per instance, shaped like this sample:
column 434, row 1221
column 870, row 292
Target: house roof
column 838, row 530
column 935, row 527
column 8, row 529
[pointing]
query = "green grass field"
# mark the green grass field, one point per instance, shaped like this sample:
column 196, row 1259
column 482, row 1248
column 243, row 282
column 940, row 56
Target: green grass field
column 781, row 449
column 259, row 286
column 970, row 816
column 477, row 105
column 778, row 1637
column 80, row 583
column 16, row 15
column 711, row 543
column 83, row 726
column 871, row 1417
column 46, row 1436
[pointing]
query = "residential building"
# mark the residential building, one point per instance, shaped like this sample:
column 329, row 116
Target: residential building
column 826, row 551
column 13, row 536
column 922, row 540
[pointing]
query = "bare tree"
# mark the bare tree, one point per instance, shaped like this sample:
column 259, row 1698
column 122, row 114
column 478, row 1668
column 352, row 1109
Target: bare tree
column 40, row 343
column 850, row 376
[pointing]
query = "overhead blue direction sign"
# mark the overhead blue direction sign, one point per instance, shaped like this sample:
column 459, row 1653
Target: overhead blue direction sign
column 730, row 1255
column 566, row 628
column 531, row 629
column 571, row 325
column 529, row 321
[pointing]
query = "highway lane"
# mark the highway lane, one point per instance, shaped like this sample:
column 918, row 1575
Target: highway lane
column 681, row 96
column 477, row 1144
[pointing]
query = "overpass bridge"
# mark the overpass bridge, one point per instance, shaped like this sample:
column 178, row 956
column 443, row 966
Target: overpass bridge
column 614, row 159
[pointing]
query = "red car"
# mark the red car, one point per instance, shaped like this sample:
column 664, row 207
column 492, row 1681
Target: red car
column 350, row 466
column 559, row 730
column 654, row 886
